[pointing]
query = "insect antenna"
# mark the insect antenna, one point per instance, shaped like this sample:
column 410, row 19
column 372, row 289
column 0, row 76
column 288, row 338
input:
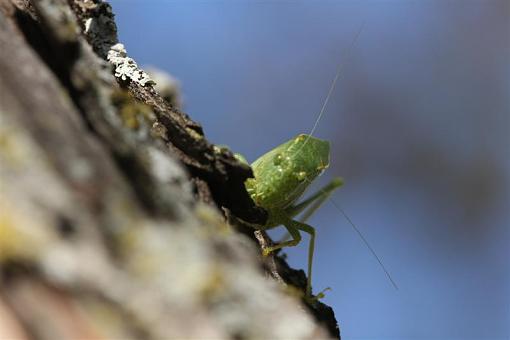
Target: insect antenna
column 362, row 237
column 340, row 68
column 316, row 205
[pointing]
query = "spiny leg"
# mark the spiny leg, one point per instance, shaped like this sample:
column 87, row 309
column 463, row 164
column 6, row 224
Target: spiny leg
column 293, row 228
column 296, row 238
column 310, row 205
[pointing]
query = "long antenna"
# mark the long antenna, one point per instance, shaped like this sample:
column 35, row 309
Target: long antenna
column 312, row 131
column 364, row 241
column 333, row 84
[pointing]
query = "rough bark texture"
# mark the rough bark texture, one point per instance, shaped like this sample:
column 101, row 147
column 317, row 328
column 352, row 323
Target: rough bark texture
column 110, row 200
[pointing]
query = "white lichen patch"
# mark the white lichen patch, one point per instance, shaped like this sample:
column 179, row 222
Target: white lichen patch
column 126, row 68
column 88, row 25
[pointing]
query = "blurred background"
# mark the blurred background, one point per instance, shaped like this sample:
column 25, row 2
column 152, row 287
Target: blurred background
column 419, row 125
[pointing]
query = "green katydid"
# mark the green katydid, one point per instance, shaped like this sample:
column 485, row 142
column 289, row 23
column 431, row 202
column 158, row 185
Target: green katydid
column 280, row 178
column 282, row 175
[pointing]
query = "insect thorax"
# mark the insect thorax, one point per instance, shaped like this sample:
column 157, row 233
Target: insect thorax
column 283, row 174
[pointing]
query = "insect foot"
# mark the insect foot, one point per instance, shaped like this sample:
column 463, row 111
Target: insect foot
column 321, row 295
column 266, row 251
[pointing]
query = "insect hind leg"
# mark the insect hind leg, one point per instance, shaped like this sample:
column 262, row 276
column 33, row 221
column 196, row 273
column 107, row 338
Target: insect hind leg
column 314, row 202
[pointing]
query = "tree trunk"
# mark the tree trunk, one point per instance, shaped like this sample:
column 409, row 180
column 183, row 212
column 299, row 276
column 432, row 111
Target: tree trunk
column 113, row 205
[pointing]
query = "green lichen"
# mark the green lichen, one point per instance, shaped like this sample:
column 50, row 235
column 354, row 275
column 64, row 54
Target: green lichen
column 158, row 131
column 194, row 134
column 21, row 237
column 134, row 114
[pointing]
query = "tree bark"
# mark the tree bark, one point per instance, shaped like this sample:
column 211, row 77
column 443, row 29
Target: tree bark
column 113, row 204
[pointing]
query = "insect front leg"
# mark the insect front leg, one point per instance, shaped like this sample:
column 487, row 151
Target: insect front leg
column 293, row 228
column 309, row 206
column 294, row 233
